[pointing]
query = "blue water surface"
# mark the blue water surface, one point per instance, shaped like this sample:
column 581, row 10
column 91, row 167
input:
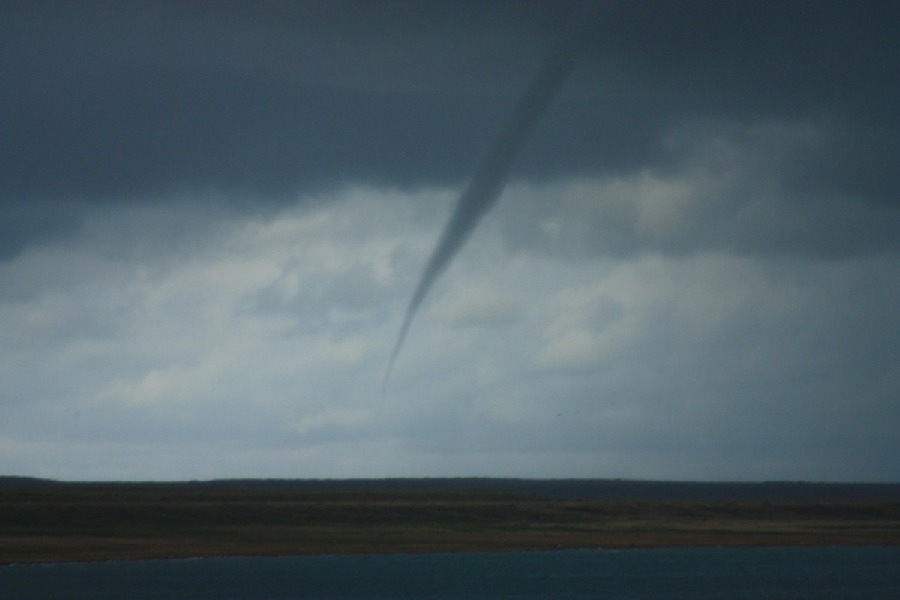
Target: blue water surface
column 821, row 573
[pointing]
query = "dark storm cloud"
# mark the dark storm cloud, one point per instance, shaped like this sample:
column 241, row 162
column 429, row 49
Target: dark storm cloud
column 266, row 98
column 654, row 65
column 109, row 101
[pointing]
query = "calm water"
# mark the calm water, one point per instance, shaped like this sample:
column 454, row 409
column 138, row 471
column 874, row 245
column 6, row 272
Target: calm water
column 819, row 573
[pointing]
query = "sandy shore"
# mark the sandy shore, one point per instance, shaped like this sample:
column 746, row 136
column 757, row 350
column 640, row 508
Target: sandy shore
column 63, row 522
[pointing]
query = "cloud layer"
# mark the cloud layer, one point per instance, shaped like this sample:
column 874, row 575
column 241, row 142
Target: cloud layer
column 213, row 217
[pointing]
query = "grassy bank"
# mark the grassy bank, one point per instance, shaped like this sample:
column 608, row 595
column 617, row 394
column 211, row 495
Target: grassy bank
column 41, row 522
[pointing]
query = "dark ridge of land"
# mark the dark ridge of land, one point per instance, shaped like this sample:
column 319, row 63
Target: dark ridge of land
column 42, row 520
column 624, row 489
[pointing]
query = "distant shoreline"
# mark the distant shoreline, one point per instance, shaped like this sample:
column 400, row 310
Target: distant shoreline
column 44, row 521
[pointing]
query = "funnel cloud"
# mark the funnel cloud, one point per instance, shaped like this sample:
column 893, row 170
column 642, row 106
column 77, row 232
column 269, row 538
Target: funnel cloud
column 490, row 177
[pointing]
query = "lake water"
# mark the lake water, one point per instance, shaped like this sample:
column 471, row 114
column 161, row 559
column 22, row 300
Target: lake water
column 820, row 573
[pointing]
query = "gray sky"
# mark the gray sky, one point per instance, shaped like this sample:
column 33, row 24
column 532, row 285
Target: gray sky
column 213, row 216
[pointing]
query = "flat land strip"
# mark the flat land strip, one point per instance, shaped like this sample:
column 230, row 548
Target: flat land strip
column 67, row 521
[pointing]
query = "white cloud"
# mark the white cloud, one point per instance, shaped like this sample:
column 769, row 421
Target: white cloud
column 257, row 349
column 735, row 188
column 480, row 303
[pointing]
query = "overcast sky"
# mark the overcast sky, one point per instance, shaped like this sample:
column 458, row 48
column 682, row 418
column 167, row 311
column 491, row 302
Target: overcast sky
column 213, row 216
